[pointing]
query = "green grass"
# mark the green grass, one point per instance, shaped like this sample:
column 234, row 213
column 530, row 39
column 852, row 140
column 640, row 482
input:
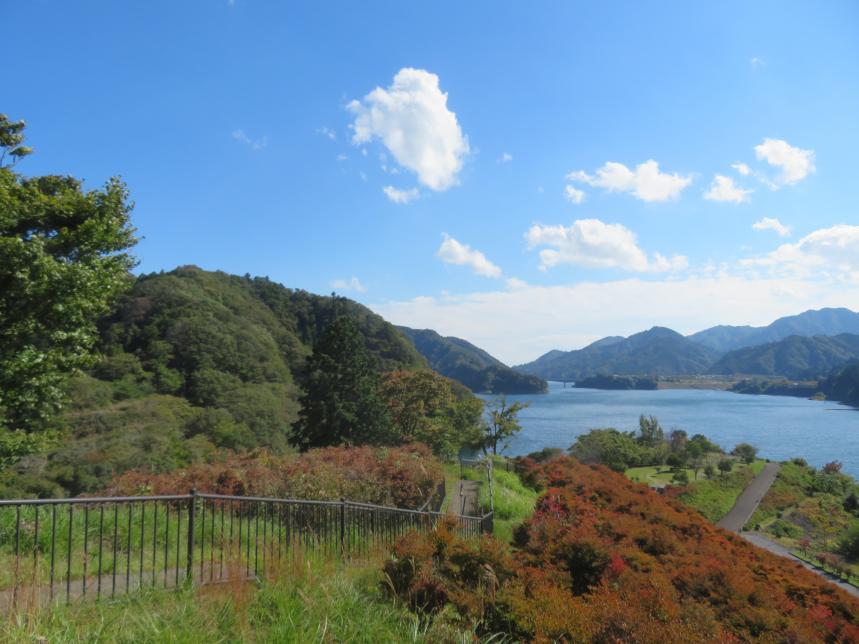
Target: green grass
column 513, row 501
column 715, row 497
column 851, row 578
column 318, row 601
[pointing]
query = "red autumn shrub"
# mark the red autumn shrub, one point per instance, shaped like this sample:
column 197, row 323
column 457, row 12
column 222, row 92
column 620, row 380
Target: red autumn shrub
column 605, row 559
column 396, row 476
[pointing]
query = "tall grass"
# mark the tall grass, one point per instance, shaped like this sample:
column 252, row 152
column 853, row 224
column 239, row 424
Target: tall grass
column 314, row 599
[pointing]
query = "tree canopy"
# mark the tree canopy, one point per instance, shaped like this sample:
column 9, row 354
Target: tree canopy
column 63, row 263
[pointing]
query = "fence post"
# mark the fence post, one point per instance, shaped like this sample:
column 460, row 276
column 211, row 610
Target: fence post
column 343, row 526
column 192, row 504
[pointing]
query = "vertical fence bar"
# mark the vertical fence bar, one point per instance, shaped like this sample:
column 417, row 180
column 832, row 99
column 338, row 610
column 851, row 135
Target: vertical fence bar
column 202, row 538
column 192, row 502
column 53, row 545
column 154, row 541
column 100, row 543
column 115, row 536
column 86, row 545
column 128, row 550
column 69, row 557
column 142, row 542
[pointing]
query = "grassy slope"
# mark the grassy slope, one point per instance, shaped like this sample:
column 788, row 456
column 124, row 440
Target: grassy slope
column 514, row 502
column 788, row 513
column 715, row 497
column 319, row 601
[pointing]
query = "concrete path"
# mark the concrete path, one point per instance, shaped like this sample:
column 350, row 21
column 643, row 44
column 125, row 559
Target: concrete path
column 464, row 501
column 748, row 501
column 776, row 548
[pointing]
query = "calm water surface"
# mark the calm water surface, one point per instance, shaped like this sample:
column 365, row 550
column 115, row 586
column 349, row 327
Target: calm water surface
column 781, row 427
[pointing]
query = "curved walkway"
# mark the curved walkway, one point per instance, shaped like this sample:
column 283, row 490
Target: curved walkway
column 748, row 501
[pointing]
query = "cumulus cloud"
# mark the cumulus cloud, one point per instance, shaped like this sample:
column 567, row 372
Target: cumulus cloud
column 352, row 284
column 594, row 244
column 646, row 182
column 515, row 282
column 574, row 195
column 505, row 158
column 328, row 133
column 795, row 163
column 724, row 189
column 825, row 253
column 253, row 144
column 771, row 223
column 453, row 252
column 529, row 321
column 401, row 196
column 412, row 120
column 742, row 168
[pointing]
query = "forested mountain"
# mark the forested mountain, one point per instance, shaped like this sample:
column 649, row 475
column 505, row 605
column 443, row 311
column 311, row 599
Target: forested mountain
column 828, row 321
column 795, row 357
column 193, row 362
column 659, row 351
column 843, row 384
column 471, row 365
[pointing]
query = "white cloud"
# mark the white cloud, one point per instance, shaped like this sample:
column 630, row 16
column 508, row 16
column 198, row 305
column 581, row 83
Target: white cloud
column 342, row 157
column 742, row 168
column 352, row 284
column 795, row 163
column 771, row 223
column 724, row 189
column 516, row 283
column 828, row 253
column 253, row 144
column 412, row 120
column 527, row 322
column 505, row 158
column 327, row 132
column 646, row 182
column 453, row 252
column 594, row 244
column 401, row 196
column 574, row 195
column 757, row 62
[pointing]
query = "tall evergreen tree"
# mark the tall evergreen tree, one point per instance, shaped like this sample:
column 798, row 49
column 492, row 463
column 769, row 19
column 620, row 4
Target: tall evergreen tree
column 341, row 404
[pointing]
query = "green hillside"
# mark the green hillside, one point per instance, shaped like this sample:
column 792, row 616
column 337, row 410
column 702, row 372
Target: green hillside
column 795, row 357
column 843, row 384
column 471, row 365
column 195, row 362
column 659, row 351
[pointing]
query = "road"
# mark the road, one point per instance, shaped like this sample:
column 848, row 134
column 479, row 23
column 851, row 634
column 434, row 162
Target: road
column 748, row 501
column 763, row 542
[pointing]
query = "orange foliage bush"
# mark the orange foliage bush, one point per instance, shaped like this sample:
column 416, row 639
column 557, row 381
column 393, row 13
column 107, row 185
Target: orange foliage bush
column 605, row 559
column 399, row 476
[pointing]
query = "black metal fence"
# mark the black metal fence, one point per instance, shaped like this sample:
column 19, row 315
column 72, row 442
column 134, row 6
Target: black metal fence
column 63, row 549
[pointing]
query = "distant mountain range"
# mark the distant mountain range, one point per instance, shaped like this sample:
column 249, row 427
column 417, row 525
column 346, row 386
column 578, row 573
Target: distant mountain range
column 805, row 346
column 795, row 357
column 810, row 323
column 471, row 365
column 658, row 352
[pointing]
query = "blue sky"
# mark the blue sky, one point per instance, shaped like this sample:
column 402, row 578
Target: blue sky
column 555, row 172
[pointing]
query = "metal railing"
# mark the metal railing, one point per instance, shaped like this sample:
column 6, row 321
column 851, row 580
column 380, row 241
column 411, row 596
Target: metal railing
column 63, row 549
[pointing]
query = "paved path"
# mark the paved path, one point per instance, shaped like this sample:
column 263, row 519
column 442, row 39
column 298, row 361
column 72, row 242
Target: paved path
column 464, row 501
column 778, row 549
column 748, row 501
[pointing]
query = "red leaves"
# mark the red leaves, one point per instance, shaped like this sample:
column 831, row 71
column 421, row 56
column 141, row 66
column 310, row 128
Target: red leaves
column 401, row 476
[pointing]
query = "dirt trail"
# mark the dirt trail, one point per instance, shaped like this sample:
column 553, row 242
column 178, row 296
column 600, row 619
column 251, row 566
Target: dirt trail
column 464, row 501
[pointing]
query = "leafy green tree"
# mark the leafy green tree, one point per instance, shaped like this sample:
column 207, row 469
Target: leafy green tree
column 341, row 404
column 746, row 452
column 725, row 466
column 650, row 432
column 677, row 440
column 62, row 265
column 614, row 449
column 429, row 408
column 709, row 470
column 675, row 461
column 695, row 456
column 503, row 424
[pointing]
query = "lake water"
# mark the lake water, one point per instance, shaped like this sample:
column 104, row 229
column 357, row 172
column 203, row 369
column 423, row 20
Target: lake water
column 781, row 427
